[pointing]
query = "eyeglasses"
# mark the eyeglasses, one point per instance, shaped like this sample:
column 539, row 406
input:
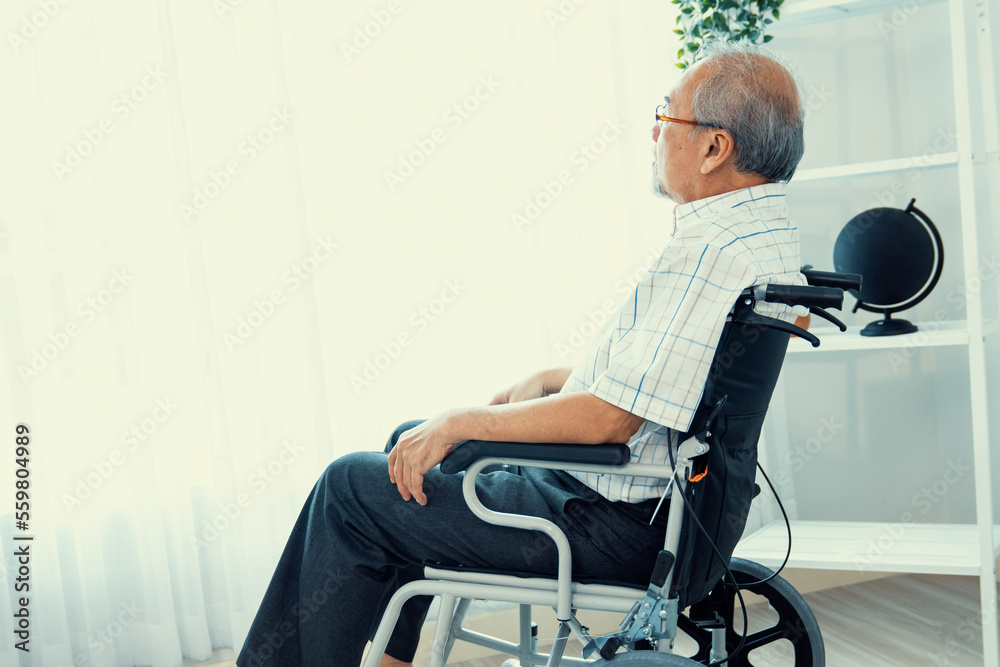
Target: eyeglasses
column 663, row 107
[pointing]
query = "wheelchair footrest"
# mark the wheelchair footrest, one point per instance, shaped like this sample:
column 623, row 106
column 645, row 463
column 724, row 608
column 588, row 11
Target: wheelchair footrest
column 704, row 615
column 709, row 623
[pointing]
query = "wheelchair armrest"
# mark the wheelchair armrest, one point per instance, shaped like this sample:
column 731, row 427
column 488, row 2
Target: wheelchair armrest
column 468, row 452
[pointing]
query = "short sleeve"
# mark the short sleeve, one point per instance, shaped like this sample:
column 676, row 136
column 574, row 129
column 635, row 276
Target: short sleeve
column 658, row 360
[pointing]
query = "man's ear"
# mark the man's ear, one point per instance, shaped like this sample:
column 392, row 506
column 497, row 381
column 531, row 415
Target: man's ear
column 718, row 148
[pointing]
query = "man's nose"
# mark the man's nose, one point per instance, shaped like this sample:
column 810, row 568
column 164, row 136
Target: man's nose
column 656, row 131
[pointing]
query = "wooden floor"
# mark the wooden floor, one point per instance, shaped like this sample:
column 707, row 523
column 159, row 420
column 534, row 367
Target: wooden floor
column 902, row 620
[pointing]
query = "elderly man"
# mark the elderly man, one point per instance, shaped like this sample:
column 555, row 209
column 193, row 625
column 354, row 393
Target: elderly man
column 729, row 134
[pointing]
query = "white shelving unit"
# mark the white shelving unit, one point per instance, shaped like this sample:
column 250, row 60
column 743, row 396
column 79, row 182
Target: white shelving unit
column 905, row 547
column 797, row 13
column 923, row 548
column 930, row 334
column 879, row 167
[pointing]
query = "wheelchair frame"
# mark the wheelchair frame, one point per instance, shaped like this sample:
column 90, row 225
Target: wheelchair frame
column 562, row 593
column 651, row 614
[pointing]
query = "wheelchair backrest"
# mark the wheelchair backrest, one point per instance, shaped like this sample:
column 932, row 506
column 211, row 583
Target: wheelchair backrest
column 743, row 374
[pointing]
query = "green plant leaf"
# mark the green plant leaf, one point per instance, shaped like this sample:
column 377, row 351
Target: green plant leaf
column 724, row 20
column 680, row 53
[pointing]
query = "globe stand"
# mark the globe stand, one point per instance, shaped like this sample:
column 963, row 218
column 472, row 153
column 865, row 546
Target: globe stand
column 888, row 327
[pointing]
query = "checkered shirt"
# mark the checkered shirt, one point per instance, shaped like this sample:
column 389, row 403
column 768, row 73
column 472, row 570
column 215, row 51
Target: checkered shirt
column 652, row 357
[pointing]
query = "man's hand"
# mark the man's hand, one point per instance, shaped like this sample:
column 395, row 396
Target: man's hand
column 538, row 385
column 576, row 416
column 417, row 451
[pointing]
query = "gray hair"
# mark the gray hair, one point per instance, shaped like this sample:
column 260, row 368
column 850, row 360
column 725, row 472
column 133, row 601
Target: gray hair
column 745, row 97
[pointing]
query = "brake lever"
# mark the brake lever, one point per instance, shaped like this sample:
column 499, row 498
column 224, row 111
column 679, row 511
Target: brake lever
column 749, row 316
column 828, row 317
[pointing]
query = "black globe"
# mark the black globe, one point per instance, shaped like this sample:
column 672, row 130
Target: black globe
column 899, row 255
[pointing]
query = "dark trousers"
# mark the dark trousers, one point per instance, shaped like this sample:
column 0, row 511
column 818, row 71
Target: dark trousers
column 356, row 541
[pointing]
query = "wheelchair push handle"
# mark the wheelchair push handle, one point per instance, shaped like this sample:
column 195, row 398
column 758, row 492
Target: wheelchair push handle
column 825, row 290
column 795, row 295
column 844, row 281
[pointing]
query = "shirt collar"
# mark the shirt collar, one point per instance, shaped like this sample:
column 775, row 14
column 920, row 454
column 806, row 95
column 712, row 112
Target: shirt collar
column 722, row 205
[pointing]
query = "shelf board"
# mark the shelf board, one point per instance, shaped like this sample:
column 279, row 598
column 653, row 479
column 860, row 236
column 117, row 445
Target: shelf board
column 931, row 161
column 869, row 547
column 798, row 13
column 933, row 334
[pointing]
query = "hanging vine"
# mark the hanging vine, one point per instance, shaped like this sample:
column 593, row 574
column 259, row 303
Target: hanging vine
column 724, row 20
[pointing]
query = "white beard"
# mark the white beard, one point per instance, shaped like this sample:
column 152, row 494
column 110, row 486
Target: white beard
column 655, row 183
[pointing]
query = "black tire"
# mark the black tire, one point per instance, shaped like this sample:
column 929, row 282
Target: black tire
column 646, row 659
column 795, row 622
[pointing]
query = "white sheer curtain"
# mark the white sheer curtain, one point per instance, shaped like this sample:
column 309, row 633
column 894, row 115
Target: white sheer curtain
column 210, row 288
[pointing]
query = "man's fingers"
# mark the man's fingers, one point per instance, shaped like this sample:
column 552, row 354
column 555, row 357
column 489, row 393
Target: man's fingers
column 399, row 476
column 407, row 465
column 407, row 477
column 403, row 491
column 416, row 486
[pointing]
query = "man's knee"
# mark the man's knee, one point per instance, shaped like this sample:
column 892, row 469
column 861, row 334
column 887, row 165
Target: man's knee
column 353, row 471
column 405, row 426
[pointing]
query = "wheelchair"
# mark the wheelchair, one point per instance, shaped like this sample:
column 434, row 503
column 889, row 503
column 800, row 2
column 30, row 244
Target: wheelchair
column 696, row 587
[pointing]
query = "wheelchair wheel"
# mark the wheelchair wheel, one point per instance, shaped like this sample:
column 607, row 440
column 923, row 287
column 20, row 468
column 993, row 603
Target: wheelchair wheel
column 783, row 633
column 646, row 659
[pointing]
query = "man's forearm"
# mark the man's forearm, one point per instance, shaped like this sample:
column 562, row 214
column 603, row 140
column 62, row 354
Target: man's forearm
column 576, row 417
column 573, row 417
column 553, row 379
